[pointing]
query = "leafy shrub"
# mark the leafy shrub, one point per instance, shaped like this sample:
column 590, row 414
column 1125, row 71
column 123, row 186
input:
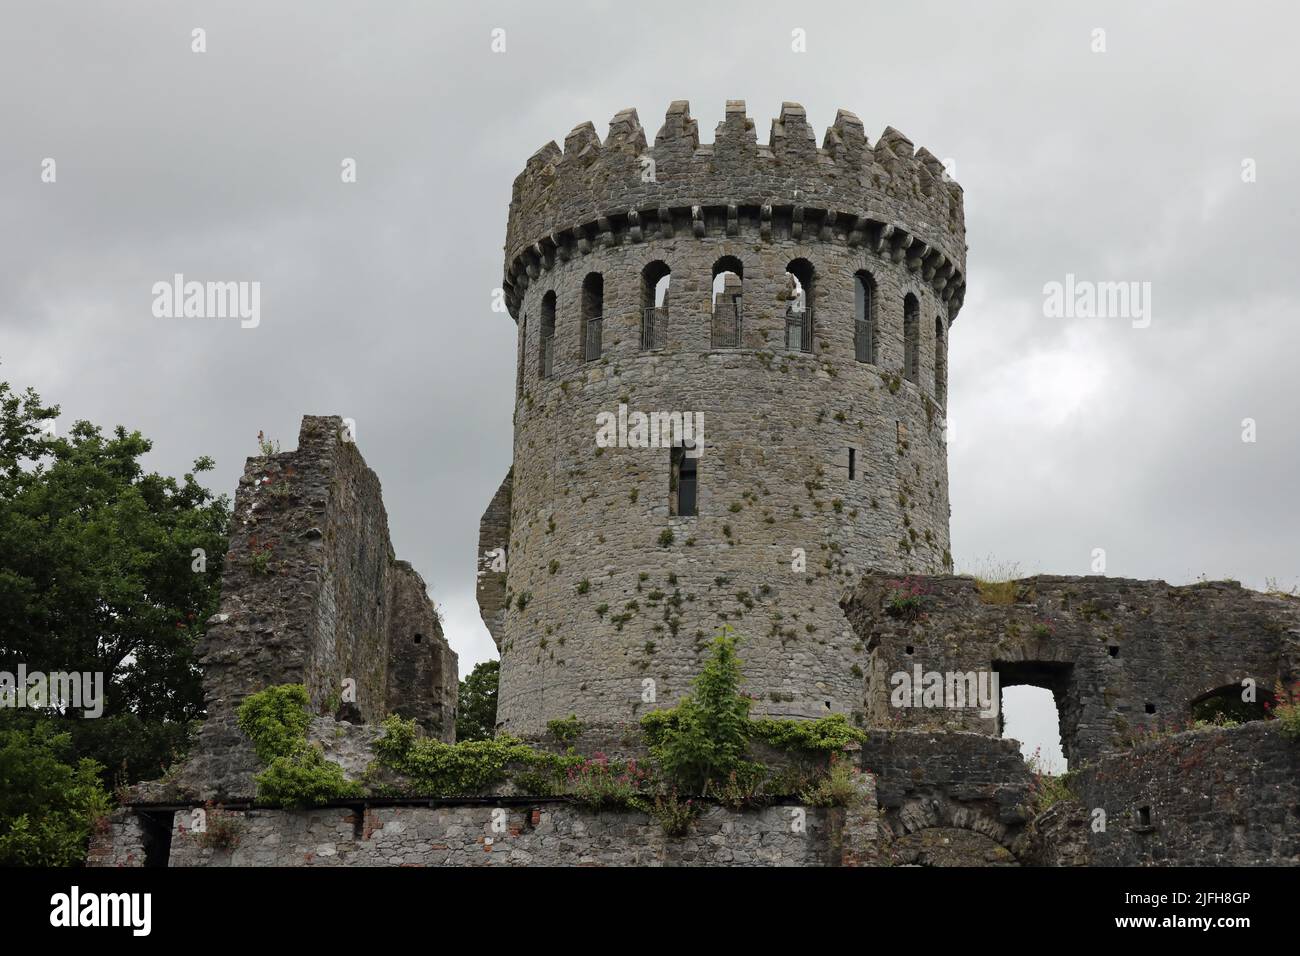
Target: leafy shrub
column 826, row 734
column 702, row 744
column 275, row 719
column 565, row 729
column 706, row 736
column 304, row 778
column 48, row 804
column 297, row 775
column 436, row 769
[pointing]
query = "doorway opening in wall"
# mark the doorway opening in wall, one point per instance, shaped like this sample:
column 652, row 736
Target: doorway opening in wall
column 1032, row 696
column 156, row 831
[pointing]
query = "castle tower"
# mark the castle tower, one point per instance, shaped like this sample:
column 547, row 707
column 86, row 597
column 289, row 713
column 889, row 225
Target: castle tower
column 797, row 301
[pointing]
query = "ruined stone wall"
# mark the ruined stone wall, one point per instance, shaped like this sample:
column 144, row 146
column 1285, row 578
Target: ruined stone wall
column 542, row 834
column 493, row 545
column 605, row 589
column 1123, row 658
column 422, row 670
column 311, row 594
column 970, row 790
column 1211, row 797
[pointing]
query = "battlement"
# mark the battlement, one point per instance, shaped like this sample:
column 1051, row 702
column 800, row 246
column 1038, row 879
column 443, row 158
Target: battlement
column 890, row 197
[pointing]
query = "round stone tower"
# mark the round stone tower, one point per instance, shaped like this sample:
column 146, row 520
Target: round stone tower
column 789, row 307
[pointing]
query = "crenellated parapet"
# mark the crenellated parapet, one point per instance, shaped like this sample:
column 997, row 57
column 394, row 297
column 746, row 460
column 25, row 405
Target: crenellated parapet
column 891, row 197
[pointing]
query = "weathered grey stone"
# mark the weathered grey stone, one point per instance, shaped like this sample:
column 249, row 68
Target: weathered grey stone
column 589, row 527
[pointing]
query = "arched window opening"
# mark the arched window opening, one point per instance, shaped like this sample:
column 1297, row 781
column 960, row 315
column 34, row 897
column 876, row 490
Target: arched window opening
column 546, row 360
column 912, row 339
column 864, row 317
column 798, row 295
column 1029, row 716
column 728, row 295
column 655, row 279
column 1040, row 710
column 940, row 362
column 593, row 310
column 1226, row 707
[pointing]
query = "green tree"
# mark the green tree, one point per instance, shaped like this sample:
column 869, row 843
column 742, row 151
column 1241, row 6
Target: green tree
column 476, row 707
column 706, row 736
column 48, row 803
column 105, row 567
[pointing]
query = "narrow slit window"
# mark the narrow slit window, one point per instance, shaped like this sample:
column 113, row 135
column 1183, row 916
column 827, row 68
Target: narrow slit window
column 864, row 317
column 912, row 339
column 593, row 315
column 683, row 484
column 546, row 353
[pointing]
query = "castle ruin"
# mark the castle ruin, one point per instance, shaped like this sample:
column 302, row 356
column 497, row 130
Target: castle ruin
column 798, row 300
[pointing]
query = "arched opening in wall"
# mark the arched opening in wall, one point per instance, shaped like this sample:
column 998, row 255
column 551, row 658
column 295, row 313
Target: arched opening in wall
column 546, row 354
column 1034, row 710
column 1227, row 705
column 655, row 280
column 864, row 317
column 798, row 294
column 912, row 339
column 940, row 362
column 728, row 301
column 593, row 313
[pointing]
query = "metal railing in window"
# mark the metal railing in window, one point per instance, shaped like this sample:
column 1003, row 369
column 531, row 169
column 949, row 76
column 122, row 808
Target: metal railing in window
column 548, row 355
column 798, row 331
column 654, row 327
column 862, row 340
column 727, row 325
column 591, row 346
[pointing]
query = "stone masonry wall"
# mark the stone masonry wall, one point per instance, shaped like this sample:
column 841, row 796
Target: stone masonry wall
column 1122, row 657
column 312, row 594
column 542, row 834
column 422, row 670
column 1211, row 797
column 606, row 590
column 949, row 782
column 890, row 195
column 494, row 543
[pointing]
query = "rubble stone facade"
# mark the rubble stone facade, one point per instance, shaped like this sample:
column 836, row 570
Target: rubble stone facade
column 312, row 594
column 601, row 589
column 823, row 451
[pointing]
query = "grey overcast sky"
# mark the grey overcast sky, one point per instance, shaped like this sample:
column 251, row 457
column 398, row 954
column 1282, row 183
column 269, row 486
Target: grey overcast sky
column 1067, row 434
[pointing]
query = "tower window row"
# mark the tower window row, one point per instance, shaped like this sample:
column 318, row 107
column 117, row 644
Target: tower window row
column 727, row 317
